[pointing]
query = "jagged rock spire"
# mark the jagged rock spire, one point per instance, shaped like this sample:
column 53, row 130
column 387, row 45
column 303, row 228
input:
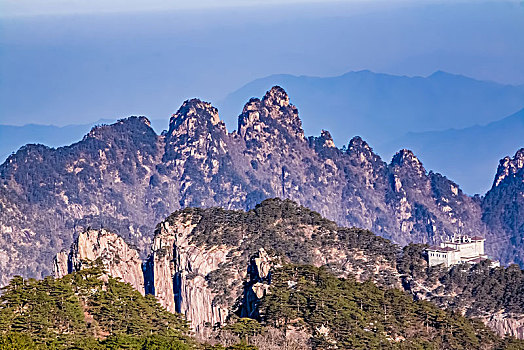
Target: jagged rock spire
column 407, row 159
column 509, row 166
column 327, row 140
column 272, row 112
column 277, row 96
column 194, row 114
column 361, row 153
column 323, row 141
column 118, row 258
column 357, row 146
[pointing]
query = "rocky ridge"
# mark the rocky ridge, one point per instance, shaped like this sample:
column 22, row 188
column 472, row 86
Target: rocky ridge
column 126, row 178
column 208, row 263
column 199, row 256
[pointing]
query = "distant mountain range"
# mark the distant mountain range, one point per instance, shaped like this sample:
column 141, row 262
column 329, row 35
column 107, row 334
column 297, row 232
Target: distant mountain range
column 127, row 178
column 386, row 109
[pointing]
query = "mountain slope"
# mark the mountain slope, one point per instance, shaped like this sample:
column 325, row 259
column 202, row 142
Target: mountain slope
column 306, row 308
column 344, row 314
column 468, row 155
column 127, row 178
column 13, row 137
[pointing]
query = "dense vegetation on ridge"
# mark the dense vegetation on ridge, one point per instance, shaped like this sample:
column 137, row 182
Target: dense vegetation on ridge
column 284, row 228
column 342, row 313
column 86, row 310
column 353, row 301
column 292, row 233
column 297, row 234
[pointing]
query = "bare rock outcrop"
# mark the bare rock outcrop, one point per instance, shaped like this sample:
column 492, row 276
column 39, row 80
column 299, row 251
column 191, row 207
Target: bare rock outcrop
column 503, row 208
column 509, row 167
column 256, row 287
column 506, row 325
column 118, row 258
column 208, row 263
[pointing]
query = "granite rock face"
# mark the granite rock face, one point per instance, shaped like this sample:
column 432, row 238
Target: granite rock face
column 126, row 178
column 257, row 285
column 180, row 269
column 506, row 325
column 117, row 257
column 210, row 263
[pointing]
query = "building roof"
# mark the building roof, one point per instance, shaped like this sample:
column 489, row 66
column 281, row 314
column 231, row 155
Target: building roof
column 441, row 249
column 477, row 238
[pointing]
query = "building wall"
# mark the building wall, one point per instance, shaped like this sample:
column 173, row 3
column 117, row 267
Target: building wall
column 467, row 249
column 480, row 247
column 475, row 248
column 437, row 258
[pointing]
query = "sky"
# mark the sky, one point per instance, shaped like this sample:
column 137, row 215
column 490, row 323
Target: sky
column 68, row 7
column 70, row 62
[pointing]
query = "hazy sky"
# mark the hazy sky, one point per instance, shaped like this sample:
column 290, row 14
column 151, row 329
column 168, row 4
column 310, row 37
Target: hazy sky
column 64, row 62
column 68, row 7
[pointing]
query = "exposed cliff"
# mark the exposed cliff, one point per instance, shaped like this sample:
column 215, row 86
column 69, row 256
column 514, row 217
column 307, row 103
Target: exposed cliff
column 506, row 325
column 289, row 233
column 503, row 208
column 117, row 257
column 256, row 287
column 181, row 271
column 127, row 178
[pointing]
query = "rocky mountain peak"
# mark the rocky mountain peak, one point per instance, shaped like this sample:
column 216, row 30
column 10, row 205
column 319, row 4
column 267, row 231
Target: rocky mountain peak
column 194, row 114
column 509, row 166
column 277, row 96
column 406, row 158
column 323, row 141
column 357, row 144
column 253, row 104
column 269, row 114
column 327, row 140
column 360, row 149
column 128, row 178
column 129, row 124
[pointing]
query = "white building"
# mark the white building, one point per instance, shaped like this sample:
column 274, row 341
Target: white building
column 457, row 250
